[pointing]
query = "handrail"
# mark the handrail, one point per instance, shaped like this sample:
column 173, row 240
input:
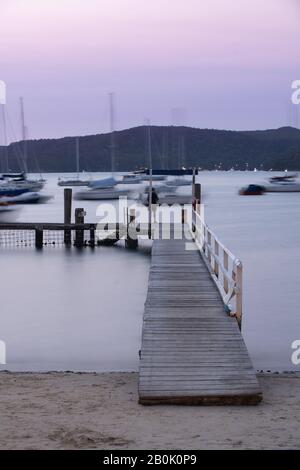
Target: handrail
column 225, row 268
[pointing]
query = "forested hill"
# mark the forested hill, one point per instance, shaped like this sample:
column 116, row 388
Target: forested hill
column 172, row 147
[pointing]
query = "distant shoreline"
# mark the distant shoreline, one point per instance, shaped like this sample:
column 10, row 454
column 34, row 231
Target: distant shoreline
column 207, row 149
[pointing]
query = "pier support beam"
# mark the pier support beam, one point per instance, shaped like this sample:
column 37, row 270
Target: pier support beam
column 39, row 238
column 67, row 214
column 131, row 239
column 79, row 233
column 197, row 194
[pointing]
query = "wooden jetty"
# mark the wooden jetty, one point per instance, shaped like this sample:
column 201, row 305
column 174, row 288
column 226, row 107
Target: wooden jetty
column 192, row 350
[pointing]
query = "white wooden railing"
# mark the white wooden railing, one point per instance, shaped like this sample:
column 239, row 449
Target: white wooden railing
column 226, row 270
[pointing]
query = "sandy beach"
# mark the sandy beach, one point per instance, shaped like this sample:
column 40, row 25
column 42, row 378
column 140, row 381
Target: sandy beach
column 65, row 410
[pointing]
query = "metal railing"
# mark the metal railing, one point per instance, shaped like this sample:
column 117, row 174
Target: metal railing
column 225, row 269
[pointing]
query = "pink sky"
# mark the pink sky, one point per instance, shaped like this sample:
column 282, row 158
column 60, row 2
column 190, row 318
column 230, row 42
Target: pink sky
column 228, row 63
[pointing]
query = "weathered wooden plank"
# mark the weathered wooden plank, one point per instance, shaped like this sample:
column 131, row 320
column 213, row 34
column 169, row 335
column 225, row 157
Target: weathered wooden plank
column 192, row 352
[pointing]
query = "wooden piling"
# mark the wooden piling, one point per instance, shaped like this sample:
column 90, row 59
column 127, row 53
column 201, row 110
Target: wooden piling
column 67, row 214
column 79, row 232
column 196, row 201
column 193, row 182
column 39, row 237
column 131, row 239
column 197, row 194
column 92, row 237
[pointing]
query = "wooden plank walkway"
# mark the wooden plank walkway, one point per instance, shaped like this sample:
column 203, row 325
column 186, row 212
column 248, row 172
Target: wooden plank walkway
column 192, row 351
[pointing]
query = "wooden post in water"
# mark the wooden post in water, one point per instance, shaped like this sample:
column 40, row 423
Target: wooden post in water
column 193, row 182
column 67, row 214
column 92, row 237
column 79, row 233
column 197, row 196
column 131, row 239
column 196, row 202
column 39, row 237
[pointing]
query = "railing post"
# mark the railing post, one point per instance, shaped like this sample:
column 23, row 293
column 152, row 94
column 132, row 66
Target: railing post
column 79, row 233
column 216, row 262
column 67, row 214
column 92, row 237
column 225, row 264
column 239, row 294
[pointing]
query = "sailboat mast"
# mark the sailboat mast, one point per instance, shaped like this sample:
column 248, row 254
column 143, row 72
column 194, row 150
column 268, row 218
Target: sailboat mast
column 112, row 132
column 24, row 133
column 5, row 138
column 150, row 178
column 77, row 156
column 149, row 146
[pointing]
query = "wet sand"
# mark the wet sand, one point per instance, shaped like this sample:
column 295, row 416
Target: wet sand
column 65, row 410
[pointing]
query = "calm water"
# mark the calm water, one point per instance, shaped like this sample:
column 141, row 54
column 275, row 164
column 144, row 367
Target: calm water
column 83, row 310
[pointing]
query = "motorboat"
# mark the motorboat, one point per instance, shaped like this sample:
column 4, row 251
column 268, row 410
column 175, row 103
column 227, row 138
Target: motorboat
column 178, row 182
column 283, row 184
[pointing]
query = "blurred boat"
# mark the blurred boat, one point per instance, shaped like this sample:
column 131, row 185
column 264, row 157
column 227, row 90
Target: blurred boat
column 69, row 182
column 283, row 184
column 131, row 179
column 104, row 183
column 26, row 198
column 19, row 181
column 168, row 199
column 154, row 177
column 161, row 188
column 102, row 189
column 8, row 213
column 252, row 190
column 179, row 182
column 101, row 194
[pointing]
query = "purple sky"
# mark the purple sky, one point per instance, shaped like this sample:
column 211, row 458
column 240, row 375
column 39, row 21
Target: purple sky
column 226, row 64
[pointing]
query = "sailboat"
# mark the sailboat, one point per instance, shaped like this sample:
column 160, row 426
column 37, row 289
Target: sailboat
column 167, row 194
column 32, row 184
column 70, row 181
column 106, row 188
